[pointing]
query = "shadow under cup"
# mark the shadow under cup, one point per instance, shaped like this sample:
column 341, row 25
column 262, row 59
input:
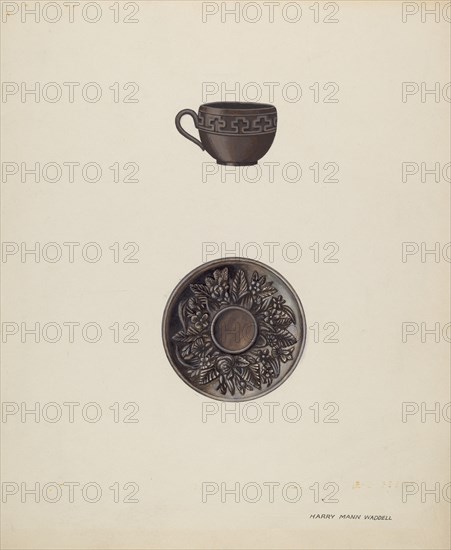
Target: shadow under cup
column 233, row 133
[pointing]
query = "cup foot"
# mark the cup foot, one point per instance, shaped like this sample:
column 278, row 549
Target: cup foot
column 236, row 163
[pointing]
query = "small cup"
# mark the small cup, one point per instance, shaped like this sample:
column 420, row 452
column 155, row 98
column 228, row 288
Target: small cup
column 233, row 133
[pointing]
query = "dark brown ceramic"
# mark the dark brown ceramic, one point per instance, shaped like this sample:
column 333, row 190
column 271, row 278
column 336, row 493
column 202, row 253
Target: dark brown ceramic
column 235, row 134
column 234, row 329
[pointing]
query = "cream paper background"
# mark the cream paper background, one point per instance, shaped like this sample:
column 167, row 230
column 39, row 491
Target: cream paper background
column 369, row 293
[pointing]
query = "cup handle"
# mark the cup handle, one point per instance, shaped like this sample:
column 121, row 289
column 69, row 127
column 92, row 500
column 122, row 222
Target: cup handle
column 184, row 133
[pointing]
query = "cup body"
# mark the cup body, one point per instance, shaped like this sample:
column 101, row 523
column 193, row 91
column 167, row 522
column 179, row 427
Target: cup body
column 237, row 134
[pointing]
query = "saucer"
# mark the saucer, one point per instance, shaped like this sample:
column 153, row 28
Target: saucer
column 234, row 329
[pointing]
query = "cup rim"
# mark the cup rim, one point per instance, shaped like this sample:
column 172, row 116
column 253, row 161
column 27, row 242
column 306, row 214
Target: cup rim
column 237, row 107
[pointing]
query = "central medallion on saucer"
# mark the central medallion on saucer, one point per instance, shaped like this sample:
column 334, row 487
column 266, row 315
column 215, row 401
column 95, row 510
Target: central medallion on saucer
column 234, row 329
